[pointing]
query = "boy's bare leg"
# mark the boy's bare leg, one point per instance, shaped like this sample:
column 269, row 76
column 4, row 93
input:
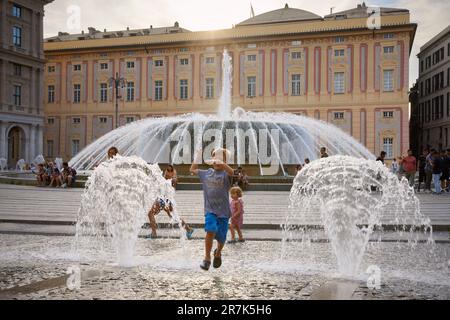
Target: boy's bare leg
column 208, row 245
column 219, row 249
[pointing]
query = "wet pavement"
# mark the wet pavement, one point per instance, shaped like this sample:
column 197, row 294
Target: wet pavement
column 35, row 267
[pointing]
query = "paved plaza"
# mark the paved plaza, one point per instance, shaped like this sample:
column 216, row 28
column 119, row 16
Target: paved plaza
column 37, row 248
column 29, row 206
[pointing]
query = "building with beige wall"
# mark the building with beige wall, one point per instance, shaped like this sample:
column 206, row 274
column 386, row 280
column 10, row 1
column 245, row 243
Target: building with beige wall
column 21, row 79
column 332, row 68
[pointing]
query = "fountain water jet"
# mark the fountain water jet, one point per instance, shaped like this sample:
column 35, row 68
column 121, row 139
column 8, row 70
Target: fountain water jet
column 115, row 203
column 351, row 198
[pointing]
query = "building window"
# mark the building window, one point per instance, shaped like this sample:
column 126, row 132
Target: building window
column 75, row 147
column 103, row 120
column 296, row 55
column 388, row 49
column 51, row 94
column 130, row 64
column 388, row 147
column 388, row 36
column 339, row 39
column 76, row 93
column 76, row 120
column 184, row 61
column 158, row 90
column 103, row 92
column 77, row 67
column 428, row 62
column 338, row 82
column 17, row 36
column 129, row 119
column 50, row 148
column 50, row 121
column 251, row 87
column 51, row 69
column 130, row 91
column 388, row 80
column 295, row 85
column 17, row 70
column 103, row 66
column 448, row 104
column 251, row 57
column 421, row 66
column 338, row 115
column 159, row 63
column 339, row 53
column 388, row 114
column 17, row 11
column 209, row 88
column 17, row 95
column 209, row 60
column 183, row 89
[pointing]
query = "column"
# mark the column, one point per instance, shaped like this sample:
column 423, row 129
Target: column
column 31, row 144
column 3, row 20
column 40, row 140
column 33, row 34
column 33, row 80
column 3, row 99
column 3, row 142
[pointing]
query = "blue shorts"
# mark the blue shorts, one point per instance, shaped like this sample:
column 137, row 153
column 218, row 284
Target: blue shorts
column 219, row 226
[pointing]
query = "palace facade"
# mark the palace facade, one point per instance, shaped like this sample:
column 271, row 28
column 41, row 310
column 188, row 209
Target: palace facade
column 21, row 80
column 332, row 68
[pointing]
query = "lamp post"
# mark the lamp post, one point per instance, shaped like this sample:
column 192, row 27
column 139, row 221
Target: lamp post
column 117, row 82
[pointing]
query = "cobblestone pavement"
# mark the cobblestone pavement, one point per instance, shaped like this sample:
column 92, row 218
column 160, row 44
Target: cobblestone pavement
column 169, row 269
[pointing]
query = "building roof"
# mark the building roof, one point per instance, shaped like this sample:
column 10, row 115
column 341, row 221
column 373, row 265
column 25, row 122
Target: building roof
column 96, row 34
column 435, row 39
column 311, row 24
column 361, row 12
column 285, row 14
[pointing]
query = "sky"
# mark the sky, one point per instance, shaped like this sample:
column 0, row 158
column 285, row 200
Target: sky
column 432, row 16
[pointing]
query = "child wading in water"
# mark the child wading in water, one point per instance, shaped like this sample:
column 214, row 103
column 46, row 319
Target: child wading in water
column 216, row 183
column 237, row 214
column 166, row 205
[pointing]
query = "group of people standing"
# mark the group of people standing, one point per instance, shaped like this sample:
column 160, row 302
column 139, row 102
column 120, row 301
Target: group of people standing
column 433, row 167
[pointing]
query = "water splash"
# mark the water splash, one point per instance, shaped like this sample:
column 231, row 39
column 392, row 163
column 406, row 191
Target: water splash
column 20, row 165
column 38, row 160
column 115, row 204
column 350, row 198
column 224, row 110
column 3, row 164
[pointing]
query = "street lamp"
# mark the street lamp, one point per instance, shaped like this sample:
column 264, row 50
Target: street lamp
column 117, row 82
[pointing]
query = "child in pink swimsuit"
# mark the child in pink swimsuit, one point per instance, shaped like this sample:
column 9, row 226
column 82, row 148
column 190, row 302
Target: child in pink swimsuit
column 237, row 214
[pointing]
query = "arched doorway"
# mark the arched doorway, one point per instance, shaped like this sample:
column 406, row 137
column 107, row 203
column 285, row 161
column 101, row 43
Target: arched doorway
column 16, row 146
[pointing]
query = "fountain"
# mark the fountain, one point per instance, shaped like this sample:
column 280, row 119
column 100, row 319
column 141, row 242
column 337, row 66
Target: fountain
column 38, row 160
column 59, row 163
column 20, row 165
column 115, row 204
column 270, row 141
column 3, row 164
column 351, row 198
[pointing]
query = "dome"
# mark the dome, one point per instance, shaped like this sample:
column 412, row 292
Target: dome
column 285, row 14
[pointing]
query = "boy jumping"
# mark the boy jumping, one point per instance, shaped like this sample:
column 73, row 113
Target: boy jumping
column 216, row 184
